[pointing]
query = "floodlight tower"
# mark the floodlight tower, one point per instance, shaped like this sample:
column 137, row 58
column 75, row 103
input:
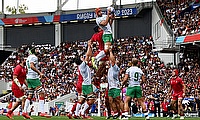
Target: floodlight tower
column 114, row 2
column 60, row 4
column 2, row 7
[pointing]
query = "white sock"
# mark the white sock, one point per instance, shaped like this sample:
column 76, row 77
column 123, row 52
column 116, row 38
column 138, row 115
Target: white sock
column 41, row 106
column 77, row 109
column 125, row 113
column 85, row 108
column 70, row 112
column 26, row 105
column 100, row 55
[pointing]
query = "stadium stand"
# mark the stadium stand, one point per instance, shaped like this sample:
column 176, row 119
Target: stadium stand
column 57, row 65
column 182, row 16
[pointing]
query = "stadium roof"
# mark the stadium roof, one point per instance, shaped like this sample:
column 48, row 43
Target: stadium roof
column 38, row 6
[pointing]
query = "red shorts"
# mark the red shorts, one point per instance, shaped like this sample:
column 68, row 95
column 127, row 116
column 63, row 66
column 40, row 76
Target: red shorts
column 17, row 92
column 176, row 96
column 79, row 87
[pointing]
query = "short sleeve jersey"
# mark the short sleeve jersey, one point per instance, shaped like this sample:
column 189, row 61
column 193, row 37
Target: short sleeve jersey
column 86, row 73
column 20, row 72
column 98, row 37
column 32, row 74
column 113, row 76
column 135, row 75
column 107, row 29
column 177, row 85
column 80, row 78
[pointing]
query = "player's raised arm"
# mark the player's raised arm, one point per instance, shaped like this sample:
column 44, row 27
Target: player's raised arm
column 112, row 58
column 89, row 51
column 105, row 22
column 112, row 16
column 125, row 79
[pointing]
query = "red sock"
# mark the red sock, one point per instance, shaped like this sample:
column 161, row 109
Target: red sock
column 74, row 107
column 87, row 110
column 41, row 98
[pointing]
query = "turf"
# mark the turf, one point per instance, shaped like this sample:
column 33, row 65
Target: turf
column 95, row 118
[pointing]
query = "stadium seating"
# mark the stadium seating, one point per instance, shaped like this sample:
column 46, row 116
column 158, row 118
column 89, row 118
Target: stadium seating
column 181, row 16
column 57, row 65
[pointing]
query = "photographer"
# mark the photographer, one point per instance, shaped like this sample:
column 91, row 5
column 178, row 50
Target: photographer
column 156, row 99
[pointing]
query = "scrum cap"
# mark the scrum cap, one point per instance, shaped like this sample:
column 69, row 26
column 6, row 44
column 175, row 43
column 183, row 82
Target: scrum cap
column 97, row 10
column 176, row 72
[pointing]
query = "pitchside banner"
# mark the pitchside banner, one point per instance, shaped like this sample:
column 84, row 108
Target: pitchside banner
column 92, row 15
column 63, row 18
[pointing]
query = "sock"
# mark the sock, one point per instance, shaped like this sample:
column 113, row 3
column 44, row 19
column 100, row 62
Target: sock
column 41, row 104
column 26, row 105
column 125, row 113
column 176, row 113
column 10, row 111
column 115, row 113
column 73, row 108
column 100, row 55
column 145, row 114
column 77, row 108
column 84, row 109
column 87, row 110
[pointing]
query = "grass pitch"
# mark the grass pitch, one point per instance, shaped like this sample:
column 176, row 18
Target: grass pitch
column 95, row 118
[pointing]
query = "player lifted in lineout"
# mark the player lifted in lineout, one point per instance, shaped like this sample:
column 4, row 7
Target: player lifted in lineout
column 105, row 23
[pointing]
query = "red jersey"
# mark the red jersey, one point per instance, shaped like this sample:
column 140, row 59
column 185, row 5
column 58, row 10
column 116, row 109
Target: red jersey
column 177, row 84
column 20, row 72
column 79, row 82
column 98, row 37
column 80, row 78
column 164, row 106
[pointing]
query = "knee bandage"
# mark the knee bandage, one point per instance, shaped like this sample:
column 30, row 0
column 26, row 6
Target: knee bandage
column 83, row 96
column 30, row 92
column 92, row 96
column 39, row 90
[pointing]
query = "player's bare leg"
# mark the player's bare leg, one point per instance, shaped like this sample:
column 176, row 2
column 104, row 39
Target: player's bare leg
column 144, row 110
column 120, row 105
column 180, row 109
column 91, row 100
column 18, row 102
column 27, row 103
column 174, row 108
column 108, row 108
column 126, row 107
column 78, row 106
column 103, row 53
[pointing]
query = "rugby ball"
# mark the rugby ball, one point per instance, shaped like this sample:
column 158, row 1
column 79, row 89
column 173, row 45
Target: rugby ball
column 111, row 9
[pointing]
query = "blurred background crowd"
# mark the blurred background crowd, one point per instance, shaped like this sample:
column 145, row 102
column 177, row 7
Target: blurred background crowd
column 181, row 15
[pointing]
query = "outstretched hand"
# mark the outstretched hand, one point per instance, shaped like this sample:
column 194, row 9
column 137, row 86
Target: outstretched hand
column 108, row 11
column 42, row 75
column 89, row 43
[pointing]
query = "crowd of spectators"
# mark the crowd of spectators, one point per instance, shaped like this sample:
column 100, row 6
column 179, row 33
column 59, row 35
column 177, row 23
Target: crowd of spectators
column 57, row 64
column 181, row 15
